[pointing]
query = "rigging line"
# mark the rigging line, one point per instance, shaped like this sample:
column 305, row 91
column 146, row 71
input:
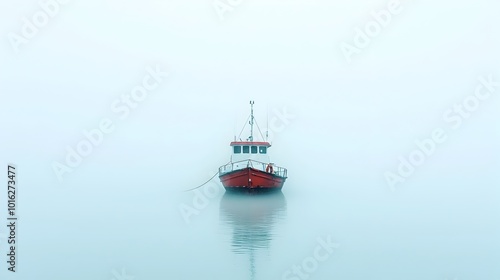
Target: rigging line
column 259, row 130
column 239, row 136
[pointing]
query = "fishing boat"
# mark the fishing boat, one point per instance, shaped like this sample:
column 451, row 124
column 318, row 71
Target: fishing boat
column 250, row 168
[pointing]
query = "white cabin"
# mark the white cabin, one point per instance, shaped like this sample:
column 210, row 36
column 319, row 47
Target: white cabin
column 247, row 150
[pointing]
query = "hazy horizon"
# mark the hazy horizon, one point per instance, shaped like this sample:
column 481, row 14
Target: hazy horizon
column 385, row 114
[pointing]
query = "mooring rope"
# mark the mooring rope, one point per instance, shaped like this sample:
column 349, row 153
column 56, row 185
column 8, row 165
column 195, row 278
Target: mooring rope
column 206, row 181
column 203, row 183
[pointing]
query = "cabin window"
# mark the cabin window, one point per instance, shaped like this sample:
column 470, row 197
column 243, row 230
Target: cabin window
column 253, row 149
column 246, row 149
column 237, row 149
column 262, row 150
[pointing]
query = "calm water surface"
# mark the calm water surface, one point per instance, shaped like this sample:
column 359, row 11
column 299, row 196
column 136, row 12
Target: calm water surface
column 119, row 231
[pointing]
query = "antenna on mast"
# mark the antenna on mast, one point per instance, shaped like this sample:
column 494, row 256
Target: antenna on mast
column 251, row 121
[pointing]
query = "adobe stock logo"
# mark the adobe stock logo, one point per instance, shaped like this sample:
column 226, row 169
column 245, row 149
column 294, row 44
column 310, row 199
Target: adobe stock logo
column 222, row 7
column 455, row 117
column 122, row 106
column 201, row 199
column 310, row 264
column 122, row 275
column 363, row 37
column 30, row 28
column 279, row 121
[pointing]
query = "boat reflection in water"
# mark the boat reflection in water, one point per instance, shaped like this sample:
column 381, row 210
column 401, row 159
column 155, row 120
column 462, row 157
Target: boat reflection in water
column 251, row 218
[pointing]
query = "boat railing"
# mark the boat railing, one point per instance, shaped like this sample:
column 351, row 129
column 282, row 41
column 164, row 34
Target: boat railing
column 262, row 166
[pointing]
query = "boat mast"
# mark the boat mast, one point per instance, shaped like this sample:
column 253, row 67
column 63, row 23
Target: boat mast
column 251, row 120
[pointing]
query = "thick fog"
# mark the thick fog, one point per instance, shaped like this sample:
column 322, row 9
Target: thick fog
column 110, row 109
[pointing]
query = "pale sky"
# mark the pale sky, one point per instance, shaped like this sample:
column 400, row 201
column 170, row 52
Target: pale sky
column 284, row 55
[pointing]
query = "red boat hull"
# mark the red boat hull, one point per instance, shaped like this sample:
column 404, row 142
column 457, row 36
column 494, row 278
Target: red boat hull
column 251, row 179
